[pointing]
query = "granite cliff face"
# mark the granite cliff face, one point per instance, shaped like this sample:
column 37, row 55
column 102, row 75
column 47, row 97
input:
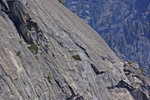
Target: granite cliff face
column 48, row 53
column 123, row 24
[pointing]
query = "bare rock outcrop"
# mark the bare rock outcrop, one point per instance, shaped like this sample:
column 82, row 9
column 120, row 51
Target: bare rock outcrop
column 48, row 53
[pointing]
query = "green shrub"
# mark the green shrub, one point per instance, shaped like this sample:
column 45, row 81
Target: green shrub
column 18, row 53
column 142, row 70
column 33, row 48
column 61, row 2
column 37, row 58
column 77, row 57
column 27, row 4
column 49, row 77
column 130, row 62
column 21, row 42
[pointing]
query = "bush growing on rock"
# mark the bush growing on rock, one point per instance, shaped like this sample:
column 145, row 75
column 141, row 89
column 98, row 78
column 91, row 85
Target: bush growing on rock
column 61, row 2
column 49, row 77
column 142, row 71
column 77, row 57
column 18, row 53
column 130, row 62
column 33, row 48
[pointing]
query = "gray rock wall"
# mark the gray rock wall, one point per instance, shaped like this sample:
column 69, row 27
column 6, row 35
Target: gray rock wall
column 54, row 55
column 123, row 24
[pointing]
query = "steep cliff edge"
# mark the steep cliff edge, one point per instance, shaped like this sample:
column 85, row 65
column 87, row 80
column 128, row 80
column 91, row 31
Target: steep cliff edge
column 48, row 53
column 123, row 24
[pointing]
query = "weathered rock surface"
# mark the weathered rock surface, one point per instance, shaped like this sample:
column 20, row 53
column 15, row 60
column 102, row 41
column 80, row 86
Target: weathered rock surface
column 48, row 53
column 123, row 24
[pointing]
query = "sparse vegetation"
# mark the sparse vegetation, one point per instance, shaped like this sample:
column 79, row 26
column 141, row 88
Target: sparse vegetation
column 61, row 2
column 130, row 62
column 39, row 44
column 77, row 57
column 136, row 91
column 21, row 42
column 18, row 53
column 33, row 48
column 27, row 4
column 142, row 70
column 49, row 77
column 37, row 58
column 124, row 65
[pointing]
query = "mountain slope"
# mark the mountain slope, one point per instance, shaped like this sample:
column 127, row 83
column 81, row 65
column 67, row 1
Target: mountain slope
column 123, row 24
column 48, row 53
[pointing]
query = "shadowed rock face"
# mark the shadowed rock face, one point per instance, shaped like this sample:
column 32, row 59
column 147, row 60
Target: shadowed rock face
column 53, row 55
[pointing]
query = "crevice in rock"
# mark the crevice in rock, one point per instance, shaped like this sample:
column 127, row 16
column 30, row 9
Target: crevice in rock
column 18, row 17
column 127, row 72
column 5, row 80
column 123, row 84
column 58, row 83
column 61, row 87
column 24, row 24
column 73, row 94
column 4, row 7
column 79, row 98
column 82, row 48
column 139, row 95
column 97, row 72
column 104, row 58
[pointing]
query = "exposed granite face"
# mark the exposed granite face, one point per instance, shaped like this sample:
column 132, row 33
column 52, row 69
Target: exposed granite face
column 123, row 24
column 48, row 53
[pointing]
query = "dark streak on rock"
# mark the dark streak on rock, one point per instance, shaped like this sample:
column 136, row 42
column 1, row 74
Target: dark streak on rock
column 97, row 72
column 83, row 49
